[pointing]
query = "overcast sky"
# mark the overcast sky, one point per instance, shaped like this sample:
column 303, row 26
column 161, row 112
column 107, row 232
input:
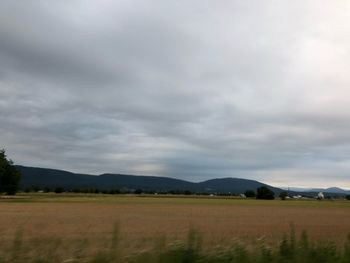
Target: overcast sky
column 187, row 89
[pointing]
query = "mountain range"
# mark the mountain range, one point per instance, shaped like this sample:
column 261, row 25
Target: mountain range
column 53, row 178
column 325, row 190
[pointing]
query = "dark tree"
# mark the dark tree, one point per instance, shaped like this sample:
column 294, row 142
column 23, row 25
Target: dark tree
column 138, row 191
column 114, row 192
column 347, row 197
column 28, row 189
column 187, row 192
column 9, row 176
column 250, row 193
column 283, row 195
column 264, row 193
column 59, row 190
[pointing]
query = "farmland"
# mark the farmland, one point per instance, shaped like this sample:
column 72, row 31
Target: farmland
column 70, row 226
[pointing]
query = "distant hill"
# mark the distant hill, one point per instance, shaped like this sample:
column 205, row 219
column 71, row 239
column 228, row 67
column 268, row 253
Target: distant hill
column 330, row 190
column 335, row 190
column 312, row 192
column 233, row 185
column 51, row 178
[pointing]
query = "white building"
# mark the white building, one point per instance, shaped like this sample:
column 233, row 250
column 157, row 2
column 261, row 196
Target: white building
column 320, row 196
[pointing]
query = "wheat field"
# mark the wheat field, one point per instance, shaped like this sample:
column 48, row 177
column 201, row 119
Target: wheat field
column 81, row 225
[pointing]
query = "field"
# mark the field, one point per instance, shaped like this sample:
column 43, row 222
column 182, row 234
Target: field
column 79, row 226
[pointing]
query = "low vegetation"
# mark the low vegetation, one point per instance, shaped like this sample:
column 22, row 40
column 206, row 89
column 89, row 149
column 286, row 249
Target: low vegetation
column 283, row 195
column 289, row 250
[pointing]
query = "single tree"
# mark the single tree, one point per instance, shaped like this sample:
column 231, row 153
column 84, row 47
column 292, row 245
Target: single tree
column 347, row 197
column 250, row 193
column 59, row 190
column 283, row 195
column 264, row 193
column 9, row 175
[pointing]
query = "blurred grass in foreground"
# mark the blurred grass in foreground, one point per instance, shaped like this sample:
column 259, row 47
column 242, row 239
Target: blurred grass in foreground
column 291, row 249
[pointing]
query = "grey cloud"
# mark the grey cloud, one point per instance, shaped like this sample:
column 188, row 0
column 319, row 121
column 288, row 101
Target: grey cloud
column 193, row 90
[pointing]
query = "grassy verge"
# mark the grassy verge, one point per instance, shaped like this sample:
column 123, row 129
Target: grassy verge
column 291, row 249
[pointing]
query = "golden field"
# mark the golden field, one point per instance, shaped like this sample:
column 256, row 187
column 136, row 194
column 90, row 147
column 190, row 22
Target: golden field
column 69, row 221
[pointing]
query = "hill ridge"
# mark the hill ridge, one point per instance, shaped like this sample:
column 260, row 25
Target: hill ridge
column 52, row 178
column 47, row 177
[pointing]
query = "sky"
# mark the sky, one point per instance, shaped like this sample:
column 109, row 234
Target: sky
column 188, row 89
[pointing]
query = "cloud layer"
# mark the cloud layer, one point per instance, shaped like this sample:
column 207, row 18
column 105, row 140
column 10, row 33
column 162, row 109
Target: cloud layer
column 188, row 89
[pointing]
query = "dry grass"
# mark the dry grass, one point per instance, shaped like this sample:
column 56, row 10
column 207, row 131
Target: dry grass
column 87, row 221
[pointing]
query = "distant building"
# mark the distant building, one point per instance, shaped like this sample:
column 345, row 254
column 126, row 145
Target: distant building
column 320, row 196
